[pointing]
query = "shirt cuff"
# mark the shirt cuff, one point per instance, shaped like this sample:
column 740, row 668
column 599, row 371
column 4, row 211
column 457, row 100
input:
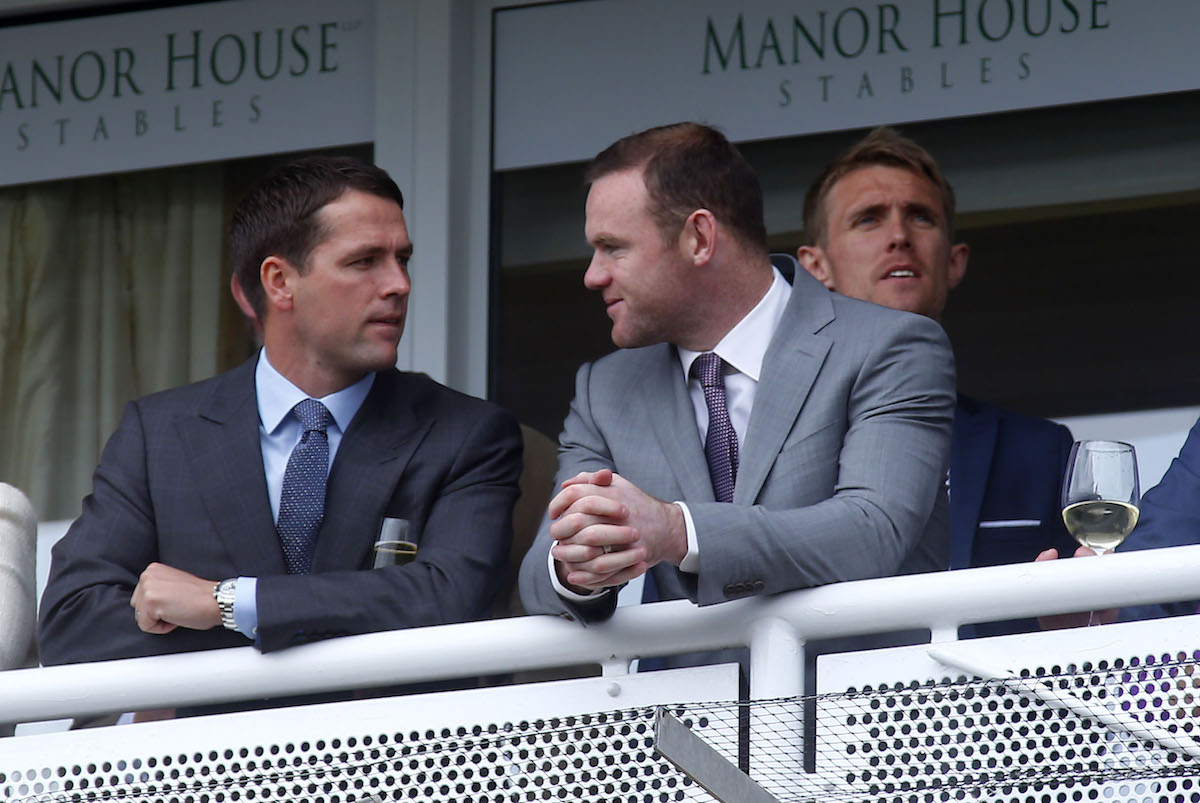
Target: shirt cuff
column 567, row 593
column 245, row 606
column 691, row 561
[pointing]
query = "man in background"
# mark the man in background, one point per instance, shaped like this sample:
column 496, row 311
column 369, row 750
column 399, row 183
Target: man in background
column 750, row 436
column 245, row 509
column 879, row 222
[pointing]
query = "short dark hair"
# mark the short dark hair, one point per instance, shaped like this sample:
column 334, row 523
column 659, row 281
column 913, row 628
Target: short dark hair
column 278, row 216
column 688, row 166
column 883, row 146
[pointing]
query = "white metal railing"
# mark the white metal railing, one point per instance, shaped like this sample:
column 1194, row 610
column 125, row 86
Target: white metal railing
column 775, row 629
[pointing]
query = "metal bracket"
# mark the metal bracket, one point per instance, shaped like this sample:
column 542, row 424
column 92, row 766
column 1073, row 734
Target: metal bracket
column 694, row 757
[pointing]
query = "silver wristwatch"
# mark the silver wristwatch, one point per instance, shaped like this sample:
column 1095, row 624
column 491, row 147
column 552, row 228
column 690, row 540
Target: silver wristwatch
column 224, row 593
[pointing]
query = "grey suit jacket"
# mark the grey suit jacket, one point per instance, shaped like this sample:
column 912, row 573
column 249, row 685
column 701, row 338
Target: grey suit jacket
column 181, row 482
column 843, row 465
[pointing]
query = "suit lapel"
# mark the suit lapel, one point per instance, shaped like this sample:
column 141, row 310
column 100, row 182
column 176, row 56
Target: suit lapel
column 790, row 367
column 971, row 446
column 668, row 407
column 222, row 442
column 373, row 454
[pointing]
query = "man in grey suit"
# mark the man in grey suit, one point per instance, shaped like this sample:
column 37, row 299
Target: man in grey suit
column 840, row 411
column 206, row 527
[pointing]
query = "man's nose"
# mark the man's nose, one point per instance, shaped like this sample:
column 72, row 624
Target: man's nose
column 899, row 235
column 397, row 281
column 596, row 275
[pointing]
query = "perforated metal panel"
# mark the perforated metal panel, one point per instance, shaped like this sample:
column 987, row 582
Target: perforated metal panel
column 1094, row 714
column 1104, row 713
column 506, row 744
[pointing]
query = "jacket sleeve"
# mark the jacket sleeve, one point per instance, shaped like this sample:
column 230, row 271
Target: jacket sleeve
column 1170, row 516
column 85, row 612
column 581, row 448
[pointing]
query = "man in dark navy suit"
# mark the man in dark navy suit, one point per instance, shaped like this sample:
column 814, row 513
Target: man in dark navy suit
column 880, row 225
column 245, row 509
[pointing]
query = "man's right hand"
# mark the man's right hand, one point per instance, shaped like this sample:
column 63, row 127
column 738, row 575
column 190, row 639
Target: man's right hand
column 1061, row 621
column 166, row 598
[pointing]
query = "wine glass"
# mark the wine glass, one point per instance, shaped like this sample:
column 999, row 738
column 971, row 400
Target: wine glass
column 1100, row 495
column 396, row 545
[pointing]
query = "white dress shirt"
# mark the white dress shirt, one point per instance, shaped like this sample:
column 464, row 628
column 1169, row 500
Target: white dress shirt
column 742, row 349
column 278, row 434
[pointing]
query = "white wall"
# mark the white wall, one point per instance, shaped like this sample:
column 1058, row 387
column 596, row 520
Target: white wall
column 1156, row 435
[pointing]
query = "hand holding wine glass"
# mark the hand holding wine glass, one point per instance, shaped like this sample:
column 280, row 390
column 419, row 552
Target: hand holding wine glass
column 1100, row 495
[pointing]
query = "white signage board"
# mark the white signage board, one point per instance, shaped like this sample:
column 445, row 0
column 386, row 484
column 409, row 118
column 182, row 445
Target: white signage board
column 572, row 77
column 189, row 84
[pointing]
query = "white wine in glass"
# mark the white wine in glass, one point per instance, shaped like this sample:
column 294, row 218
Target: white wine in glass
column 1100, row 494
column 1101, row 526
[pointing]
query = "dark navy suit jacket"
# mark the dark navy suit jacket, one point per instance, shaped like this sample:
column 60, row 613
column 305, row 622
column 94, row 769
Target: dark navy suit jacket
column 1170, row 516
column 181, row 482
column 1006, row 473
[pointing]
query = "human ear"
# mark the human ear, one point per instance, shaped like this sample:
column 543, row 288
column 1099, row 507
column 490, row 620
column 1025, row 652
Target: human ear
column 958, row 264
column 813, row 258
column 277, row 276
column 699, row 236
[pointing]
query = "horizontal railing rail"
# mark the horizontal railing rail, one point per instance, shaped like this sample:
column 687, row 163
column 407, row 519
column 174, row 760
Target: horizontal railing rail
column 774, row 627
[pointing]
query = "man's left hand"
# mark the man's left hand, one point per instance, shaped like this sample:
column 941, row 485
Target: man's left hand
column 167, row 598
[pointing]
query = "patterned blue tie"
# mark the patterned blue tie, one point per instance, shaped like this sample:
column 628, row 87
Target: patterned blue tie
column 302, row 503
column 720, row 445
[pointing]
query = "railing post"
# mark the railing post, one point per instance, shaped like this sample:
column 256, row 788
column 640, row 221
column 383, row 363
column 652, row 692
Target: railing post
column 776, row 660
column 943, row 633
column 614, row 667
column 777, row 730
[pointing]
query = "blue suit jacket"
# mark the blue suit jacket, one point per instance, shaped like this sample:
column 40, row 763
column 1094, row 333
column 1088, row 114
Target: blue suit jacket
column 181, row 482
column 1006, row 473
column 1170, row 516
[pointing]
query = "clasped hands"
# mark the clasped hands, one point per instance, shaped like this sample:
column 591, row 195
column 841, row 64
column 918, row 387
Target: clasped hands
column 608, row 531
column 166, row 598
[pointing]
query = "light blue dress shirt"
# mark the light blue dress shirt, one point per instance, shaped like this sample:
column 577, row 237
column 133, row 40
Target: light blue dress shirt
column 278, row 434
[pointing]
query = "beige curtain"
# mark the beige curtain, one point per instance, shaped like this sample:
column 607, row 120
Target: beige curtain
column 109, row 289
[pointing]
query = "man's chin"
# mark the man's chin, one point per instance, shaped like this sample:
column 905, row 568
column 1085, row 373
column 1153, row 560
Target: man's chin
column 627, row 340
column 381, row 359
column 631, row 337
column 905, row 302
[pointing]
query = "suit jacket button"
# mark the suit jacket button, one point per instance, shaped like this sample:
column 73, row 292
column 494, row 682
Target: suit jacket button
column 758, row 586
column 729, row 592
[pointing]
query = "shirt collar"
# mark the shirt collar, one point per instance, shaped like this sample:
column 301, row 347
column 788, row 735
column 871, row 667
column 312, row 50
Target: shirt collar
column 745, row 345
column 277, row 396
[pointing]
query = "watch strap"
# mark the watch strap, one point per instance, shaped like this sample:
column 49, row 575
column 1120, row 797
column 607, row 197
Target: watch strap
column 224, row 593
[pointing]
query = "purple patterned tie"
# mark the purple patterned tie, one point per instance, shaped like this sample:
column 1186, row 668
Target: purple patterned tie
column 302, row 503
column 720, row 445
